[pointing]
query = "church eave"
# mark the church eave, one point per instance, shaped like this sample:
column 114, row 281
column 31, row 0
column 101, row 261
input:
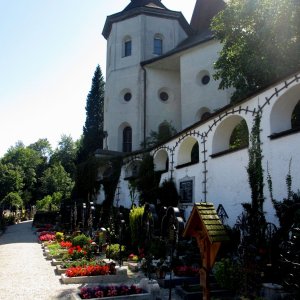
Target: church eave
column 168, row 14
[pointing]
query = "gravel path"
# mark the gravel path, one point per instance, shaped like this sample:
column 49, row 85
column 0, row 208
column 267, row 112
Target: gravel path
column 24, row 272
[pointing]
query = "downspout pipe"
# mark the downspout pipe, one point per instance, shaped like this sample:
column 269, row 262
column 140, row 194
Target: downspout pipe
column 145, row 104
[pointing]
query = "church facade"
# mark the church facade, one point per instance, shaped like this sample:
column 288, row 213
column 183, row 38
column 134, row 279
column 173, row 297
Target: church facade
column 159, row 71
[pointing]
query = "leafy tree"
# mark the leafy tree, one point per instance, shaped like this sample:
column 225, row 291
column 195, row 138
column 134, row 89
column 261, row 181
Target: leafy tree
column 43, row 147
column 66, row 154
column 56, row 179
column 148, row 181
column 93, row 128
column 11, row 179
column 28, row 161
column 261, row 43
column 49, row 202
column 44, row 150
column 12, row 200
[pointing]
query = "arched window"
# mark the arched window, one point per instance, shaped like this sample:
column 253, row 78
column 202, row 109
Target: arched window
column 158, row 45
column 127, row 139
column 127, row 46
column 164, row 129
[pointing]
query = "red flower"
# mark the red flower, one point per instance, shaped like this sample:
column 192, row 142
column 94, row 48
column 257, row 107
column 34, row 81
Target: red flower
column 65, row 244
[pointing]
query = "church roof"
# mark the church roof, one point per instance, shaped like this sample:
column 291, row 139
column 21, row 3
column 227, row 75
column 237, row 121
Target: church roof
column 146, row 7
column 144, row 3
column 203, row 13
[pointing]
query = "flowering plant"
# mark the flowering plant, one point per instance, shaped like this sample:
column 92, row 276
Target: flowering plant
column 87, row 271
column 109, row 291
column 46, row 236
column 133, row 257
column 65, row 244
column 76, row 252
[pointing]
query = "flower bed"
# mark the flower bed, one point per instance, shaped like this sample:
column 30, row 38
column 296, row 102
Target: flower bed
column 120, row 276
column 87, row 271
column 109, row 291
column 46, row 236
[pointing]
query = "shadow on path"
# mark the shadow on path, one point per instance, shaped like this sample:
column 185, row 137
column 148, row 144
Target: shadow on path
column 18, row 233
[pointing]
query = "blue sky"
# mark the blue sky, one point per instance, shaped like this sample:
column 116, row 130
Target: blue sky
column 49, row 50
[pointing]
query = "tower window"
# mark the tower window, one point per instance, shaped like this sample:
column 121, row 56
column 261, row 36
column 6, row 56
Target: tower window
column 158, row 46
column 127, row 139
column 127, row 48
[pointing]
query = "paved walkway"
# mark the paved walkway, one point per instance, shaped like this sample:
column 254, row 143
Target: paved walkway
column 25, row 274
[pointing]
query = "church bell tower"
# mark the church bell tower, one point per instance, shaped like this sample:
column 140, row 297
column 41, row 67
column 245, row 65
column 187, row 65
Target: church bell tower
column 143, row 30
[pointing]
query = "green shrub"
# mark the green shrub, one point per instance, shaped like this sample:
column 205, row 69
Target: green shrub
column 59, row 236
column 9, row 219
column 113, row 251
column 81, row 240
column 228, row 274
column 136, row 223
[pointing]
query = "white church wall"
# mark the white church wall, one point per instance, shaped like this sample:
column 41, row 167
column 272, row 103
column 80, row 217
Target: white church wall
column 195, row 64
column 121, row 111
column 227, row 179
column 162, row 81
column 227, row 182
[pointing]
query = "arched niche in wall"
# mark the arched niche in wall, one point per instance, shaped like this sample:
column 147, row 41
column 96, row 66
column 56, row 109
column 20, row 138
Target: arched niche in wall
column 284, row 113
column 161, row 161
column 239, row 137
column 125, row 137
column 202, row 114
column 223, row 136
column 132, row 170
column 188, row 152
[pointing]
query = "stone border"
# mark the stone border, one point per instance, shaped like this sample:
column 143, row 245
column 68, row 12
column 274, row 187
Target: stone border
column 94, row 279
column 150, row 286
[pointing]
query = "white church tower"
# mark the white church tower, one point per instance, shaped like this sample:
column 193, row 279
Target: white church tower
column 144, row 30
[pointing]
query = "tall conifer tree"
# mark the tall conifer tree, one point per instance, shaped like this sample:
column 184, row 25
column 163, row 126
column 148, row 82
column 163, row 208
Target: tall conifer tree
column 93, row 129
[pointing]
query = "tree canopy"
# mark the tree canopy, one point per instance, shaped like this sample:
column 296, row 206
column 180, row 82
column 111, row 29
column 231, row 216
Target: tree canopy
column 56, row 179
column 65, row 154
column 261, row 43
